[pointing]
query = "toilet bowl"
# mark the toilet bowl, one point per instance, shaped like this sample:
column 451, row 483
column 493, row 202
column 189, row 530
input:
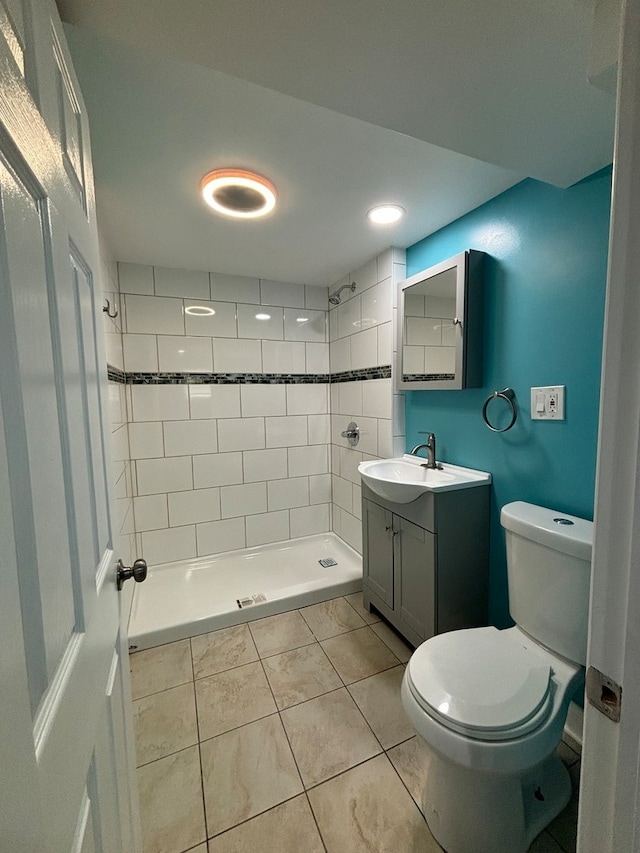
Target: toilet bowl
column 491, row 705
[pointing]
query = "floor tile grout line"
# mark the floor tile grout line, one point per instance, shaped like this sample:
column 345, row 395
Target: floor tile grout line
column 293, row 755
column 315, row 820
column 202, row 781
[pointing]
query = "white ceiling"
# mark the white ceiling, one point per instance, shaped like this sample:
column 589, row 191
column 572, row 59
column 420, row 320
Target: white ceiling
column 341, row 104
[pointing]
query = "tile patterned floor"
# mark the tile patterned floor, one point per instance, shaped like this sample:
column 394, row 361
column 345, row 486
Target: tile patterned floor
column 287, row 735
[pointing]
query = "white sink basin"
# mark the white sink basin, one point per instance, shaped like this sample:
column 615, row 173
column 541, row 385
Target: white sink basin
column 404, row 479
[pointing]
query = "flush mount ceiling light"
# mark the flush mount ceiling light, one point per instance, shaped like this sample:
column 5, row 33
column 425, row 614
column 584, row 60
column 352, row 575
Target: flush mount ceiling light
column 385, row 214
column 238, row 193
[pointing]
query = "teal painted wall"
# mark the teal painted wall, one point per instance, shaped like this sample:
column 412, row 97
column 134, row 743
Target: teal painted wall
column 545, row 281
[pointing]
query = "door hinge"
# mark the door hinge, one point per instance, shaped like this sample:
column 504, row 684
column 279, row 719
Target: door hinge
column 604, row 694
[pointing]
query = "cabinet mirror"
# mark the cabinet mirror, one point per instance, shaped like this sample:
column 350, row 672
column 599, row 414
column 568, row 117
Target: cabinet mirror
column 439, row 334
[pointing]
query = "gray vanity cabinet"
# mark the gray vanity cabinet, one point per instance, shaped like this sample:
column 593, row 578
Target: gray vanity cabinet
column 426, row 563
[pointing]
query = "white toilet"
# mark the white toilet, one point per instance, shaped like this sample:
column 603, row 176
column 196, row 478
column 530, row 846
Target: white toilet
column 491, row 705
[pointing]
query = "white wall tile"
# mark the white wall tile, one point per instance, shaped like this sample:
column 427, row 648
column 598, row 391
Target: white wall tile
column 350, row 398
column 241, row 434
column 281, row 293
column 364, row 349
column 186, row 438
column 255, row 321
column 237, row 356
column 303, row 324
column 385, row 264
column 164, row 475
column 376, row 304
column 320, row 489
column 413, row 304
column 194, row 507
column 267, row 527
column 440, row 359
column 140, row 353
column 366, row 275
column 145, row 440
column 167, row 546
column 449, row 333
column 413, row 359
column 349, row 317
column 183, row 283
column 319, row 429
column 342, row 492
column 376, row 398
column 351, row 531
column 181, row 354
column 333, row 323
column 348, row 460
column 217, row 469
column 283, row 357
column 246, row 499
column 150, row 512
column 399, row 445
column 154, row 315
column 317, row 358
column 385, row 438
column 257, row 400
column 135, row 278
column 160, row 402
column 284, row 494
column 385, row 343
column 286, row 431
column 120, row 444
column 340, row 355
column 234, row 288
column 316, row 297
column 305, row 521
column 217, row 536
column 397, row 416
column 357, row 501
column 311, row 399
column 303, row 461
column 368, row 435
column 262, row 465
column 221, row 324
column 423, row 331
column 214, row 401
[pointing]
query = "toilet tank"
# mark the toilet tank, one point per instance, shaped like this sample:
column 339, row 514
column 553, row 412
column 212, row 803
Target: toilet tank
column 549, row 570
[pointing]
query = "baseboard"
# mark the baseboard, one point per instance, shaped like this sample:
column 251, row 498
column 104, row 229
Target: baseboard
column 573, row 727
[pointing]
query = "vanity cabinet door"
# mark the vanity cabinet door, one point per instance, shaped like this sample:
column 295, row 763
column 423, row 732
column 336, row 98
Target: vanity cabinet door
column 414, row 555
column 377, row 528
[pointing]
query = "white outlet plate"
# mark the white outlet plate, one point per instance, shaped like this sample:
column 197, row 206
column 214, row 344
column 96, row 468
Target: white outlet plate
column 547, row 403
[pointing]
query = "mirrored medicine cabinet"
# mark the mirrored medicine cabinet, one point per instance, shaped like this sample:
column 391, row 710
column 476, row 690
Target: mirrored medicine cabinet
column 439, row 331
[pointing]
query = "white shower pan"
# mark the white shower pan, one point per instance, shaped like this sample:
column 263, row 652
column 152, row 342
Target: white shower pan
column 191, row 597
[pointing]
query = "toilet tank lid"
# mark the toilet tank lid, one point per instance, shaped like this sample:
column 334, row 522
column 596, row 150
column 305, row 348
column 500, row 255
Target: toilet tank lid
column 552, row 528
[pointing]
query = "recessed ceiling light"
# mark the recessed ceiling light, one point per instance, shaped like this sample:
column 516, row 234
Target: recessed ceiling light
column 385, row 214
column 238, row 193
column 199, row 310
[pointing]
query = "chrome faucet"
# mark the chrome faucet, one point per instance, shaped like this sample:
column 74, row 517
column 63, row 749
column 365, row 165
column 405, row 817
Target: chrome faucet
column 430, row 447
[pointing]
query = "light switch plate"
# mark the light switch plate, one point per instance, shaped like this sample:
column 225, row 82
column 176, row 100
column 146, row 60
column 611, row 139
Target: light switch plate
column 547, row 403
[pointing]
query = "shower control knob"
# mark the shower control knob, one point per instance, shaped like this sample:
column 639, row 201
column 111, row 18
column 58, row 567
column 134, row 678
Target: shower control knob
column 138, row 572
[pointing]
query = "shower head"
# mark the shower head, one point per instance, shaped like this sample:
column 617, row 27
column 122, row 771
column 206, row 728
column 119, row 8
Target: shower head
column 334, row 298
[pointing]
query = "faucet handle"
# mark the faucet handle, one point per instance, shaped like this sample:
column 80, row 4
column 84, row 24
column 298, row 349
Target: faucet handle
column 426, row 432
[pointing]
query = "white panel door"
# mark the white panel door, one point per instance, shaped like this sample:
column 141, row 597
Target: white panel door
column 65, row 749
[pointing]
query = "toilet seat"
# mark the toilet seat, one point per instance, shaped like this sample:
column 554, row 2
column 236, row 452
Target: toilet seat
column 482, row 683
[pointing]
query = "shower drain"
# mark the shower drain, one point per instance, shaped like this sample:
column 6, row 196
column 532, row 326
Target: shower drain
column 325, row 562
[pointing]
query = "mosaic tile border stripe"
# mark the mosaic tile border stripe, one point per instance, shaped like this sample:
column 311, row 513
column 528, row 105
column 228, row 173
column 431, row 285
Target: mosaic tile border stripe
column 116, row 375
column 427, row 377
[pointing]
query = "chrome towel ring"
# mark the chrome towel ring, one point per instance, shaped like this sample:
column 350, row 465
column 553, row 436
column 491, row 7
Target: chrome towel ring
column 507, row 394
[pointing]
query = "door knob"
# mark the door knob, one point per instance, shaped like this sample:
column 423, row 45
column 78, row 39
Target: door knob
column 138, row 572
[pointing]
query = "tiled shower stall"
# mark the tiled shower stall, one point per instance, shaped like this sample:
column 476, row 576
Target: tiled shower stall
column 228, row 399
